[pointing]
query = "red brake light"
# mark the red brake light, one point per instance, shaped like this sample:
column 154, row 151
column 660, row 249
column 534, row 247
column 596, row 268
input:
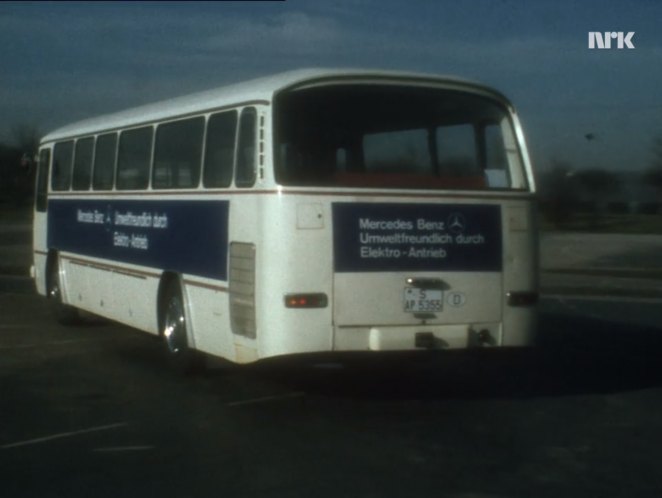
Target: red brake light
column 523, row 298
column 315, row 300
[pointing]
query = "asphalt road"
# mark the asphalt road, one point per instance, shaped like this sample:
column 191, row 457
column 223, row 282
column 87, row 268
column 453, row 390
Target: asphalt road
column 92, row 411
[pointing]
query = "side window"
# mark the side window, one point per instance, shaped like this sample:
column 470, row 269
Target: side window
column 133, row 159
column 496, row 161
column 41, row 196
column 246, row 160
column 82, row 175
column 62, row 156
column 104, row 162
column 177, row 154
column 219, row 150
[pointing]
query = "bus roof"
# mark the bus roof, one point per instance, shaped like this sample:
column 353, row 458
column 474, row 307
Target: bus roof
column 251, row 91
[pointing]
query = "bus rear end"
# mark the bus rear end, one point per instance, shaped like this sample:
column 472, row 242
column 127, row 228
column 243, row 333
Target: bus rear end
column 422, row 196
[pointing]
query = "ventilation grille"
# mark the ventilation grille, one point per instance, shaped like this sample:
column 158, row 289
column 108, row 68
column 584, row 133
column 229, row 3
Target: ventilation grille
column 242, row 289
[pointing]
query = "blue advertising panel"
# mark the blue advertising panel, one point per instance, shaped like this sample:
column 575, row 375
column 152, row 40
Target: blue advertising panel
column 185, row 236
column 416, row 237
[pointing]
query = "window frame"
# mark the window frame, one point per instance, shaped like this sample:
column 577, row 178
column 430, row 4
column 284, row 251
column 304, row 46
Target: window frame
column 201, row 150
column 146, row 169
column 291, row 170
column 42, row 183
column 95, row 184
column 206, row 160
column 61, row 187
column 239, row 181
column 90, row 165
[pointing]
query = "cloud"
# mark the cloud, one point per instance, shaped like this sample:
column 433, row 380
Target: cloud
column 289, row 33
column 67, row 61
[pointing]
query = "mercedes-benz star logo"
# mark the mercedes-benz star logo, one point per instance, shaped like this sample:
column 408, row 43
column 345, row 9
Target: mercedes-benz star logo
column 456, row 223
column 108, row 220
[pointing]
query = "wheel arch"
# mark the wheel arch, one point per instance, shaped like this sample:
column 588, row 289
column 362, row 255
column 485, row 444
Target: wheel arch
column 64, row 313
column 168, row 278
column 52, row 260
column 191, row 361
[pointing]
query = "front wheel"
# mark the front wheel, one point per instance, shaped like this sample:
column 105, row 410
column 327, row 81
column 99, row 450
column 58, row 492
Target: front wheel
column 174, row 333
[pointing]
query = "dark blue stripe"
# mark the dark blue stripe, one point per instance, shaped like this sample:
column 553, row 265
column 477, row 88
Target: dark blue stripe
column 184, row 236
column 416, row 237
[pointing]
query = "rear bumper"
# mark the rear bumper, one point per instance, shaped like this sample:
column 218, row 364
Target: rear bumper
column 415, row 337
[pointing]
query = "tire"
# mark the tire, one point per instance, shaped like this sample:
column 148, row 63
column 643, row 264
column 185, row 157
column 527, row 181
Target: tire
column 174, row 333
column 63, row 313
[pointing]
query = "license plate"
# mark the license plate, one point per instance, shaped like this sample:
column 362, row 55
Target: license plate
column 419, row 300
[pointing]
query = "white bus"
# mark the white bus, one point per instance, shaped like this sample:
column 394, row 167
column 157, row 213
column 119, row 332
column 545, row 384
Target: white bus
column 310, row 211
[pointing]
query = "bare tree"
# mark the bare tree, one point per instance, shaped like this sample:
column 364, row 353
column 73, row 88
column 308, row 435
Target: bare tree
column 557, row 192
column 598, row 184
column 17, row 166
column 653, row 174
column 26, row 138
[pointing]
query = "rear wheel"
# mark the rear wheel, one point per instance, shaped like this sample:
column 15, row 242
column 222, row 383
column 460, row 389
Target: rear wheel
column 64, row 314
column 174, row 332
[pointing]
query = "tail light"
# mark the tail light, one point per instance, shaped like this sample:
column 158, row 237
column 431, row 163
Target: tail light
column 314, row 300
column 522, row 298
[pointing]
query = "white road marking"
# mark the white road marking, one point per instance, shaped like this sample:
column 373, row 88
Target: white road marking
column 588, row 297
column 116, row 449
column 265, row 399
column 329, row 366
column 577, row 304
column 63, row 435
column 54, row 343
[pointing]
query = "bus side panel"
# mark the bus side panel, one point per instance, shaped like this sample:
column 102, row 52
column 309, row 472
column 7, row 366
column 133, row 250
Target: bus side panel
column 129, row 307
column 88, row 284
column 76, row 289
column 245, row 225
column 520, row 271
column 114, row 252
column 210, row 319
column 296, row 257
column 109, row 291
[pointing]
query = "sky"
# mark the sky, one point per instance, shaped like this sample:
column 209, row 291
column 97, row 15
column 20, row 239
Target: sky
column 61, row 62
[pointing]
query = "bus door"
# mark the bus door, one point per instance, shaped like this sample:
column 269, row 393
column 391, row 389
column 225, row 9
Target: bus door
column 40, row 220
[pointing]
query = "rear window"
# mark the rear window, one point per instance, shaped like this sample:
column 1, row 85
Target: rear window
column 395, row 136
